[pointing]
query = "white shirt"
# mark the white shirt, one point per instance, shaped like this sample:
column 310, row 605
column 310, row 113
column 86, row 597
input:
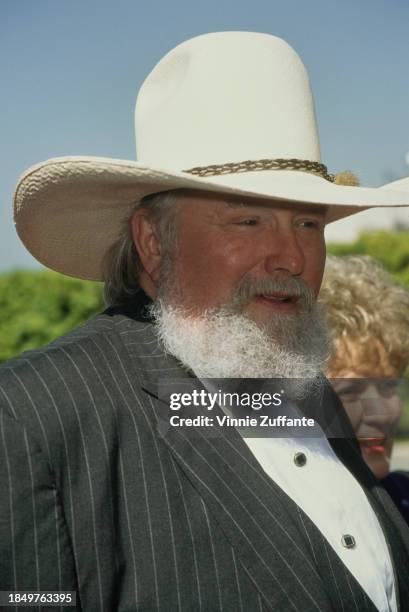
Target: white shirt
column 333, row 499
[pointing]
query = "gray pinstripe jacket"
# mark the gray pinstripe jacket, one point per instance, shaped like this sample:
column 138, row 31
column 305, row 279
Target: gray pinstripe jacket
column 93, row 499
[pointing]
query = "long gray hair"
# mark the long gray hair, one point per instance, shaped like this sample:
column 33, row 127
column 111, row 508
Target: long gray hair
column 122, row 265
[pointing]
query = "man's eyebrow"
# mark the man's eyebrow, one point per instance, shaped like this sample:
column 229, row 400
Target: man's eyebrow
column 236, row 204
column 315, row 210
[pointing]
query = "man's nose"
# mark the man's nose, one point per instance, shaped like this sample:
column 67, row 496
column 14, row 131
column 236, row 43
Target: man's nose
column 284, row 253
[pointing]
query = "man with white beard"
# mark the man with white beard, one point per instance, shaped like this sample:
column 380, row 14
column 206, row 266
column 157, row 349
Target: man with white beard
column 246, row 307
column 259, row 321
column 212, row 250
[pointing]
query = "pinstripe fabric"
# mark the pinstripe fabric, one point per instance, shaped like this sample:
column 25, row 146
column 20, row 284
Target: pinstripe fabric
column 95, row 499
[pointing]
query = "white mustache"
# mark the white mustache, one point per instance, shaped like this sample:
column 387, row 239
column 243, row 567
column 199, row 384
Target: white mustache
column 291, row 287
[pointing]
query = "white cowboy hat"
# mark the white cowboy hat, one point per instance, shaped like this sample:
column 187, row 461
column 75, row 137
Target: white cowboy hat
column 229, row 112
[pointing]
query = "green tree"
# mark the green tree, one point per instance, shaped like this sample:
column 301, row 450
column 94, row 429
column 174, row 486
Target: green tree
column 38, row 306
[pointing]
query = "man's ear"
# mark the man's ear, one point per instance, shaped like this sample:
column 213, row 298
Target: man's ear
column 147, row 243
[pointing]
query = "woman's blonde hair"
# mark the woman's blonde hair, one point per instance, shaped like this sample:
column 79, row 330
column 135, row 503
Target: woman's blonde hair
column 366, row 307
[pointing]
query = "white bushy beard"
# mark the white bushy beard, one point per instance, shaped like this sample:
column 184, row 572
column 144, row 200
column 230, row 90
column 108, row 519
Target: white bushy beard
column 226, row 343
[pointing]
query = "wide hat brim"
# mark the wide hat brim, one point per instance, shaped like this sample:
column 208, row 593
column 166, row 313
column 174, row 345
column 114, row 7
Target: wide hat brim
column 68, row 211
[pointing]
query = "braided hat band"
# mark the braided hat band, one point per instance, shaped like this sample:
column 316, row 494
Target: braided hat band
column 303, row 165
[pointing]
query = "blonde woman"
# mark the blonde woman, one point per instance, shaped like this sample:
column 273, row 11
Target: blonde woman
column 368, row 314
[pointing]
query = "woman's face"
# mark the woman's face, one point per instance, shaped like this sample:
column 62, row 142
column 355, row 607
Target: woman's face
column 370, row 398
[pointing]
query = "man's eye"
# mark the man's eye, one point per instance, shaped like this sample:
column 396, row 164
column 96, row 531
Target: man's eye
column 309, row 224
column 247, row 222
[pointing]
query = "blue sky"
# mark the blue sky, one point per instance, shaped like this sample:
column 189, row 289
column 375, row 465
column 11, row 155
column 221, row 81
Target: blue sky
column 70, row 71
